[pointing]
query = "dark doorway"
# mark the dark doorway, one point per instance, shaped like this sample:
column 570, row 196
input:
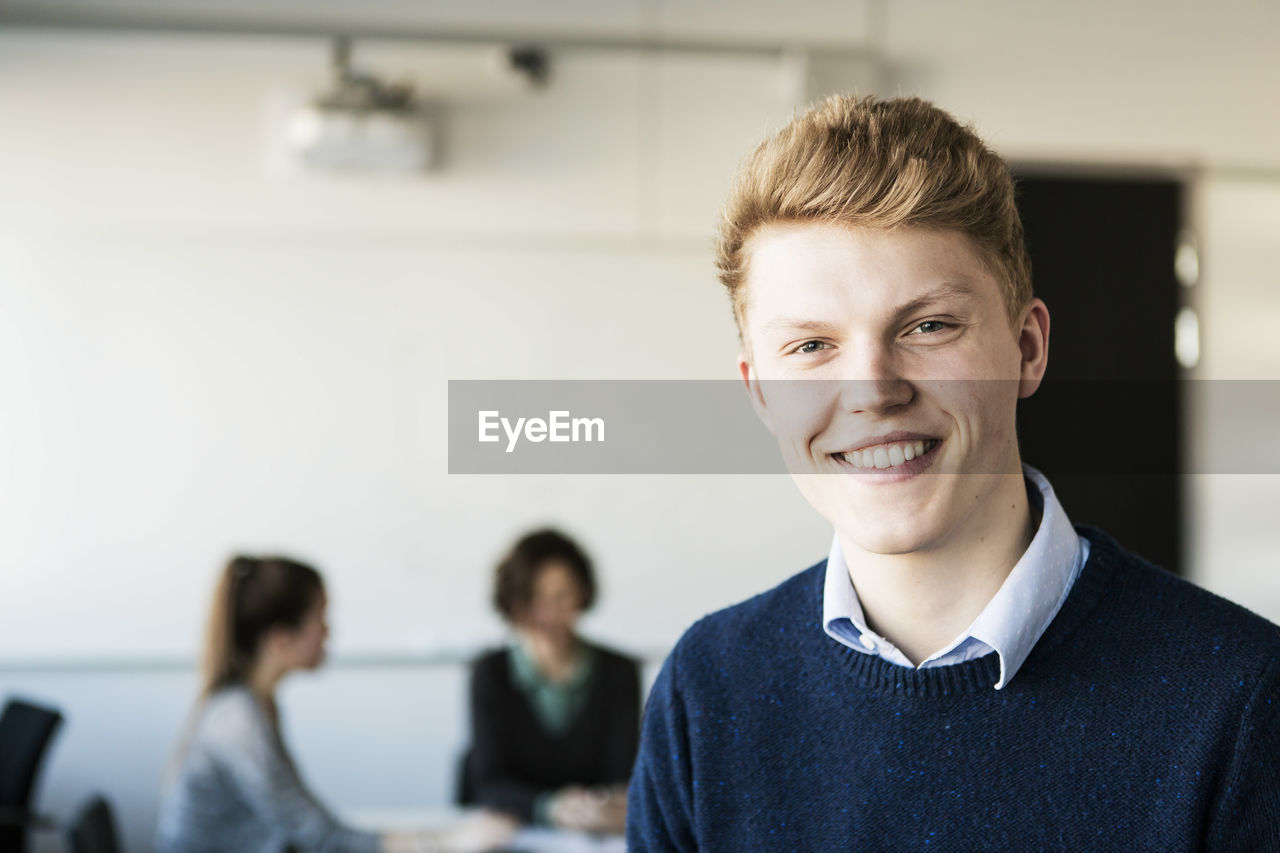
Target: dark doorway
column 1106, row 425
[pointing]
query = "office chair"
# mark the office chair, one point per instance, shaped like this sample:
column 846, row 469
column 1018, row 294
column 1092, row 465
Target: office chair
column 464, row 791
column 94, row 829
column 25, row 733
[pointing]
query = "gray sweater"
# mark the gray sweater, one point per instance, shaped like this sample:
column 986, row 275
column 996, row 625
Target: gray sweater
column 238, row 790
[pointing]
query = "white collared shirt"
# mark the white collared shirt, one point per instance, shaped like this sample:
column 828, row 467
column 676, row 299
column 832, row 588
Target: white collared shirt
column 1010, row 624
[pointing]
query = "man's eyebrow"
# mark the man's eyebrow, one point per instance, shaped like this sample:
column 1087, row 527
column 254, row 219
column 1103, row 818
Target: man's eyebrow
column 798, row 323
column 942, row 291
column 805, row 324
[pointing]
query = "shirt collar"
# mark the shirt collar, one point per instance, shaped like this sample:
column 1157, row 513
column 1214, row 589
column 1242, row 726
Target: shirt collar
column 1010, row 624
column 525, row 671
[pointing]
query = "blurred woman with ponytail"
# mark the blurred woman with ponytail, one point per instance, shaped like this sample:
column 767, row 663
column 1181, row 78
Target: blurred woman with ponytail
column 236, row 787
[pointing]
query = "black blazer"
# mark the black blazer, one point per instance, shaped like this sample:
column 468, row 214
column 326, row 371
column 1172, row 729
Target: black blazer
column 513, row 759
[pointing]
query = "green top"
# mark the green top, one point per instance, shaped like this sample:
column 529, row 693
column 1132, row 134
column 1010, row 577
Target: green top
column 555, row 704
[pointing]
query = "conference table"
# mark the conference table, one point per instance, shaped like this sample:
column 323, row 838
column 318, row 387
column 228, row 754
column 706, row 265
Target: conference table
column 528, row 840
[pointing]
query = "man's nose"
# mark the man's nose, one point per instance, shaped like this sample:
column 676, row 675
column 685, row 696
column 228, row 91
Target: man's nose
column 872, row 382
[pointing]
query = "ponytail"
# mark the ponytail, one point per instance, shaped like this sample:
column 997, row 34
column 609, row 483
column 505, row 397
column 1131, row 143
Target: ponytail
column 253, row 596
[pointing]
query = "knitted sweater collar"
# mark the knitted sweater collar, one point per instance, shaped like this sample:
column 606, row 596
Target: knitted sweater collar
column 981, row 674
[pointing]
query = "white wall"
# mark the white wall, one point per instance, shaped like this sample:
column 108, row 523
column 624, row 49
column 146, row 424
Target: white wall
column 1155, row 78
column 222, row 360
column 1235, row 550
column 199, row 353
column 203, row 355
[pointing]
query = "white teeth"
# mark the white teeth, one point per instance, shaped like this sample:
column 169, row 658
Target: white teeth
column 889, row 455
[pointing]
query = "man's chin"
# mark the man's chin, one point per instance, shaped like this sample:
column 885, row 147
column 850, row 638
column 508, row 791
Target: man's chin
column 887, row 530
column 877, row 521
column 887, row 542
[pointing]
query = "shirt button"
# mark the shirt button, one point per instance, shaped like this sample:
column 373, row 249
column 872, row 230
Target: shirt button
column 868, row 641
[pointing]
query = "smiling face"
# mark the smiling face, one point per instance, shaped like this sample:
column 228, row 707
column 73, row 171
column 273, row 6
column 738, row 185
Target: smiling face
column 901, row 431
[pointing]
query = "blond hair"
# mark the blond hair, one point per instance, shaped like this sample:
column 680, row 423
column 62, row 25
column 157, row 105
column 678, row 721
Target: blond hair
column 864, row 162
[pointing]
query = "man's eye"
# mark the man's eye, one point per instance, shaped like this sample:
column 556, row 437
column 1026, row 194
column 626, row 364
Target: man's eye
column 929, row 327
column 811, row 346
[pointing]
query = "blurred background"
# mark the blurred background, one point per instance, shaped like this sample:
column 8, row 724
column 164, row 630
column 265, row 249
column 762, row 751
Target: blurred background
column 228, row 324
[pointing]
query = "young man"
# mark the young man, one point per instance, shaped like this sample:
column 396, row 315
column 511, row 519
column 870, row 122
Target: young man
column 965, row 671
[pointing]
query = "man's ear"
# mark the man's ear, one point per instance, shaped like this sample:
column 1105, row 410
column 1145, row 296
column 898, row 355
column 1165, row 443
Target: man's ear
column 754, row 390
column 1033, row 346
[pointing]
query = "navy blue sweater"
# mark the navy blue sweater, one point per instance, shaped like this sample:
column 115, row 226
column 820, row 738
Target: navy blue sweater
column 1146, row 718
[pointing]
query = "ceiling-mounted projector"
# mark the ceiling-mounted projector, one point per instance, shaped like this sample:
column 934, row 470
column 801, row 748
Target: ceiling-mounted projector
column 362, row 123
